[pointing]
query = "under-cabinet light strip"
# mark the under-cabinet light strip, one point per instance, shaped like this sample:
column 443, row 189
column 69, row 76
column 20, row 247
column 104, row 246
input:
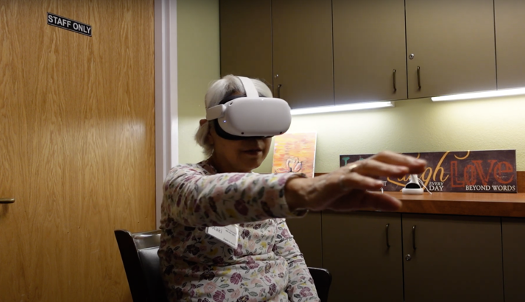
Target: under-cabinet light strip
column 480, row 95
column 337, row 108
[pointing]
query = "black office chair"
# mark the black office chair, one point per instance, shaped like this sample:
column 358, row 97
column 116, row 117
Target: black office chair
column 142, row 265
column 322, row 279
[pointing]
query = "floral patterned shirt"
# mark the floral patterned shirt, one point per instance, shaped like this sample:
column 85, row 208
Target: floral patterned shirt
column 266, row 265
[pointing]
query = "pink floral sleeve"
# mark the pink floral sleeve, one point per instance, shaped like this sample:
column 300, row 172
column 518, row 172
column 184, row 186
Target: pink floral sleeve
column 301, row 286
column 196, row 199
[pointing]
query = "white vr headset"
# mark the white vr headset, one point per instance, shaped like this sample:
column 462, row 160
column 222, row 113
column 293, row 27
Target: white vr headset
column 250, row 116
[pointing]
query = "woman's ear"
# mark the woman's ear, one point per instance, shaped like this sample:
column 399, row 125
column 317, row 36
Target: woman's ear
column 209, row 137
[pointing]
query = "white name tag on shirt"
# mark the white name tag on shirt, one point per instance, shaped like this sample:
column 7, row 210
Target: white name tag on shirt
column 228, row 234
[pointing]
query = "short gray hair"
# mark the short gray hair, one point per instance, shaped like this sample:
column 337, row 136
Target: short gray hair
column 218, row 90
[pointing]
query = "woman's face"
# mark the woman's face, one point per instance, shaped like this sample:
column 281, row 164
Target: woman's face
column 238, row 155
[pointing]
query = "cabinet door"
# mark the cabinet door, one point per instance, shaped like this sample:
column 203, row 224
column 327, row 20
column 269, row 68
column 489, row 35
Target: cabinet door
column 246, row 38
column 452, row 42
column 363, row 253
column 302, row 52
column 510, row 45
column 452, row 258
column 513, row 232
column 369, row 50
column 307, row 234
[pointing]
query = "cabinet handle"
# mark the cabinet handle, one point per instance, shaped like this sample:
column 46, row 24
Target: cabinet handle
column 394, row 80
column 279, row 90
column 387, row 241
column 6, row 200
column 414, row 237
column 419, row 78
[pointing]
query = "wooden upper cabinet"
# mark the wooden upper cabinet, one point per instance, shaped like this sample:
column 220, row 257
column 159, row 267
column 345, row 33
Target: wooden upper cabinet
column 246, row 38
column 369, row 50
column 452, row 258
column 453, row 46
column 510, row 45
column 302, row 52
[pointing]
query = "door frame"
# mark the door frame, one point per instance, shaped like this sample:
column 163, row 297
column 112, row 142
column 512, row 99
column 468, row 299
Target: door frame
column 166, row 96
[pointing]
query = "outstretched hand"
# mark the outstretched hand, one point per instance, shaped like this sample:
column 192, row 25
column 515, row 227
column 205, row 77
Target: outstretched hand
column 348, row 188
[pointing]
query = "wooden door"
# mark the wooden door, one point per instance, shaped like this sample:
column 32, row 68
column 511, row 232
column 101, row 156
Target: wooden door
column 452, row 258
column 302, row 52
column 452, row 43
column 369, row 51
column 362, row 251
column 76, row 146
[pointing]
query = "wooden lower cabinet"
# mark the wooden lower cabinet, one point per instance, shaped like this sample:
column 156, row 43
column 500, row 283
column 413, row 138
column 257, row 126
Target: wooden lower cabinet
column 513, row 232
column 363, row 253
column 376, row 256
column 452, row 258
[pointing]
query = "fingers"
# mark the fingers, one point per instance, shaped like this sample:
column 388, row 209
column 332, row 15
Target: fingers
column 374, row 168
column 347, row 188
column 414, row 165
column 354, row 180
column 388, row 164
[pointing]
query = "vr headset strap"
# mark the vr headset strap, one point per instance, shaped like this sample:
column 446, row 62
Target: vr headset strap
column 251, row 92
column 215, row 112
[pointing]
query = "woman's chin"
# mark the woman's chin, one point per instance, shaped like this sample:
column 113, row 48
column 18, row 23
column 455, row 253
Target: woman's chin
column 253, row 153
column 251, row 162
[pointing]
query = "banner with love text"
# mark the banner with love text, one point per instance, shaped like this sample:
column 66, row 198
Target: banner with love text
column 492, row 171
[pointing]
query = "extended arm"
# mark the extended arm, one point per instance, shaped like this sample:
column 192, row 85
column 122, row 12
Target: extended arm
column 194, row 197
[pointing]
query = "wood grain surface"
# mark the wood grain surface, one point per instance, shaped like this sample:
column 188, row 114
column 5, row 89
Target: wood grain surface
column 76, row 146
column 477, row 204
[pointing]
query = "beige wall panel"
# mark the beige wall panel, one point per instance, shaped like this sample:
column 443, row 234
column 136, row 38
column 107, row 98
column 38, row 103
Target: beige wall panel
column 76, row 146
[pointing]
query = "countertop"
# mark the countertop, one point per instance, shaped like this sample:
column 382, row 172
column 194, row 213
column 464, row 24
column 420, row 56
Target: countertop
column 478, row 204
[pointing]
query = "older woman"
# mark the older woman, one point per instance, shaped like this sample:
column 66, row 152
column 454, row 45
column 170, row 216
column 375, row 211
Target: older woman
column 224, row 234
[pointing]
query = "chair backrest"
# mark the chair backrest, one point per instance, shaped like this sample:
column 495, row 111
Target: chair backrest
column 323, row 280
column 142, row 266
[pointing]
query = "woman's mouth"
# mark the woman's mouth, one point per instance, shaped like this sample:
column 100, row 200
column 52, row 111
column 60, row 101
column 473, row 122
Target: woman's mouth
column 253, row 151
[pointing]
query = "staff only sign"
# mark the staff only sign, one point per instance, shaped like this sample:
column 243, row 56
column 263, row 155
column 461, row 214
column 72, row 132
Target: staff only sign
column 458, row 171
column 65, row 23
